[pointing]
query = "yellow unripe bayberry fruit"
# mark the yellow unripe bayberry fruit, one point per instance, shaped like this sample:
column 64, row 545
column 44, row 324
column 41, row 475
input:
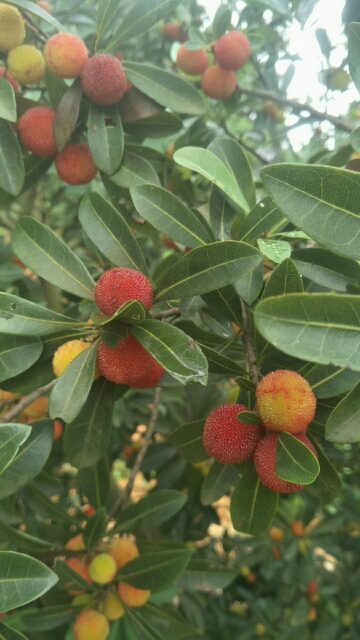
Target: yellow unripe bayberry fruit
column 26, row 64
column 12, row 30
column 66, row 354
column 123, row 550
column 113, row 608
column 275, row 534
column 102, row 568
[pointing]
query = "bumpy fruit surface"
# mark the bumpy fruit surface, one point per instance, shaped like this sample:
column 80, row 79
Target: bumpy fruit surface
column 12, row 30
column 125, row 363
column 275, row 534
column 191, row 62
column 91, row 625
column 285, row 401
column 173, row 31
column 75, row 164
column 66, row 354
column 103, row 79
column 102, row 568
column 36, row 131
column 228, row 440
column 151, row 378
column 65, row 55
column 119, row 285
column 76, row 543
column 264, row 461
column 232, row 50
column 123, row 550
column 5, row 74
column 113, row 608
column 26, row 64
column 131, row 596
column 218, row 83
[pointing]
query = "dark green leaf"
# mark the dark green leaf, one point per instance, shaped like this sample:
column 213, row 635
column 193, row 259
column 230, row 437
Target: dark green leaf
column 263, row 218
column 11, row 437
column 284, row 279
column 154, row 570
column 245, row 383
column 226, row 301
column 153, row 509
column 221, row 22
column 67, row 112
column 68, row 578
column 249, row 417
column 343, row 424
column 202, row 575
column 233, row 157
column 134, row 170
column 49, row 617
column 354, row 52
column 219, row 363
column 188, row 439
column 112, row 332
column 41, row 13
column 95, row 483
column 108, row 13
column 56, row 87
column 221, row 214
column 106, row 141
column 328, row 483
column 294, row 461
column 159, row 624
column 141, row 17
column 249, row 287
column 22, row 579
column 95, row 528
column 7, row 633
column 7, row 101
column 23, row 541
column 327, row 381
column 17, row 354
column 218, row 481
column 326, row 268
column 45, row 507
column 48, row 255
column 160, row 125
column 252, row 506
column 12, row 171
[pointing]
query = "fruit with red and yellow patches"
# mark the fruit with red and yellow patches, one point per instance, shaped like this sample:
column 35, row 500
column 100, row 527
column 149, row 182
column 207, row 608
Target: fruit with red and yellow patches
column 285, row 401
column 113, row 608
column 12, row 30
column 275, row 534
column 75, row 165
column 58, row 430
column 91, row 625
column 297, row 527
column 226, row 438
column 36, row 131
column 76, row 543
column 103, row 79
column 26, row 64
column 173, row 31
column 65, row 55
column 217, row 83
column 192, row 62
column 124, row 364
column 102, row 568
column 264, row 461
column 5, row 74
column 81, row 569
column 232, row 50
column 123, row 550
column 131, row 596
column 120, row 285
column 151, row 378
column 66, row 354
column 44, row 5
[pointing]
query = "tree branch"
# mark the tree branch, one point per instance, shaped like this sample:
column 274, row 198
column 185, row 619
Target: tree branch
column 26, row 400
column 173, row 311
column 250, row 351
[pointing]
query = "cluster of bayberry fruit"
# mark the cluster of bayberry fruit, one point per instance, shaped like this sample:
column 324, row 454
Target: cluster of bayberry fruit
column 66, row 56
column 284, row 402
column 100, row 568
column 129, row 362
column 218, row 80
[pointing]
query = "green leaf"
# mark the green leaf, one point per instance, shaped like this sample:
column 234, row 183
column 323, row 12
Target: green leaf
column 7, row 633
column 354, row 52
column 37, row 11
column 112, row 332
column 106, row 141
column 320, row 327
column 265, row 217
column 131, row 312
column 219, row 363
column 245, row 384
column 71, row 391
column 87, row 437
column 168, row 214
column 249, row 417
column 56, row 87
column 108, row 13
column 12, row 171
column 23, row 541
column 249, row 287
column 328, row 483
column 188, row 438
column 154, row 570
column 7, row 101
column 275, row 250
column 252, row 506
column 68, row 578
column 44, row 506
column 95, row 482
column 159, row 624
column 327, row 381
column 343, row 424
column 208, row 165
column 22, row 579
column 109, row 231
column 95, row 528
column 219, row 480
column 17, row 354
column 19, row 316
column 284, row 279
column 11, row 437
column 221, row 214
column 160, row 125
column 225, row 301
column 154, row 509
column 326, row 268
column 174, row 350
column 66, row 116
column 134, row 170
column 294, row 461
column 233, row 157
column 221, row 22
column 49, row 617
column 48, row 255
column 166, row 88
column 143, row 15
column 207, row 268
column 312, row 198
column 205, row 575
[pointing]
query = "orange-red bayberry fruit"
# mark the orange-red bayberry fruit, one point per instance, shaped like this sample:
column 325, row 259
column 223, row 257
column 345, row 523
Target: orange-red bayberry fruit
column 285, row 401
column 264, row 461
column 81, row 569
column 193, row 62
column 297, row 527
column 151, row 378
column 5, row 74
column 36, row 131
column 75, row 164
column 119, row 285
column 125, row 363
column 312, row 586
column 131, row 596
column 91, row 625
column 65, row 55
column 103, row 79
column 275, row 534
column 58, row 429
column 232, row 50
column 227, row 439
column 218, row 83
column 173, row 31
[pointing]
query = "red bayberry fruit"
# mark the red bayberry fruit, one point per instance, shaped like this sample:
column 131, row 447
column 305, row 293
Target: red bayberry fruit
column 232, row 50
column 103, row 79
column 218, row 83
column 264, row 461
column 312, row 586
column 5, row 74
column 193, row 62
column 65, row 55
column 125, row 363
column 119, row 285
column 151, row 378
column 227, row 439
column 36, row 131
column 173, row 31
column 285, row 401
column 75, row 164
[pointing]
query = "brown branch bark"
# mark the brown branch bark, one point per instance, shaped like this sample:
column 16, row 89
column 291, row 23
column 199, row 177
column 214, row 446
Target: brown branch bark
column 173, row 311
column 25, row 401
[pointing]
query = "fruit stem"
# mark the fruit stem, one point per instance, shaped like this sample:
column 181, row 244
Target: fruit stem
column 250, row 351
column 173, row 311
column 25, row 401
